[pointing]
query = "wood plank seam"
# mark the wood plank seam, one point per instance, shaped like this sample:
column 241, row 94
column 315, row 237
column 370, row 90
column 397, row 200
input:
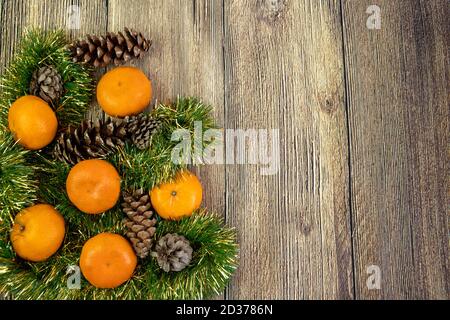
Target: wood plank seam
column 398, row 115
column 349, row 156
column 226, row 293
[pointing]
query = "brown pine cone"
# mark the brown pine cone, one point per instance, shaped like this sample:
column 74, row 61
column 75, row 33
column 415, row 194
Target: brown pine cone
column 96, row 139
column 47, row 84
column 173, row 252
column 92, row 139
column 140, row 129
column 112, row 48
column 140, row 221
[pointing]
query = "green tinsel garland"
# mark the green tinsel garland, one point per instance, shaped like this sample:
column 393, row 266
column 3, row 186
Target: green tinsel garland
column 18, row 182
column 30, row 177
column 214, row 260
column 215, row 257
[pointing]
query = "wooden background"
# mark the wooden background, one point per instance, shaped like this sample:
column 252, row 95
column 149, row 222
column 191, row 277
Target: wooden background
column 364, row 128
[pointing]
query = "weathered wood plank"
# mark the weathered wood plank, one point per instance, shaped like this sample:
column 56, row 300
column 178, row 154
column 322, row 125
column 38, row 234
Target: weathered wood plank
column 186, row 59
column 284, row 69
column 399, row 131
column 12, row 17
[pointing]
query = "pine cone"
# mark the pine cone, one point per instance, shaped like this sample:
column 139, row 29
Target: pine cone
column 173, row 252
column 90, row 140
column 47, row 84
column 139, row 221
column 116, row 48
column 140, row 129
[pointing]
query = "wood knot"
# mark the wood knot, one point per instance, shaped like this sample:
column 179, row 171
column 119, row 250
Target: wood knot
column 271, row 10
column 328, row 103
column 303, row 227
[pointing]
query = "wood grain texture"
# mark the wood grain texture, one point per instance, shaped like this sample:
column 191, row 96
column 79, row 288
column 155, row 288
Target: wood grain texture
column 398, row 81
column 283, row 69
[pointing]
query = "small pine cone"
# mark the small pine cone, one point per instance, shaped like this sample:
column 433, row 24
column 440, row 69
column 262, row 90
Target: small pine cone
column 112, row 48
column 139, row 222
column 140, row 129
column 173, row 252
column 92, row 139
column 47, row 84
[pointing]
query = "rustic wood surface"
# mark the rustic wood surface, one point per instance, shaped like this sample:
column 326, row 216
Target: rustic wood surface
column 398, row 113
column 363, row 119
